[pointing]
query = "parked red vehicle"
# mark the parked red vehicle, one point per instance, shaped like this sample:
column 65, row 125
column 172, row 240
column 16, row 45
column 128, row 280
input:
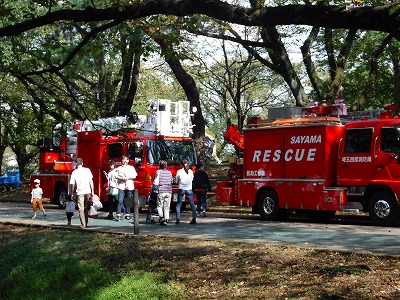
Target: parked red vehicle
column 317, row 164
column 162, row 134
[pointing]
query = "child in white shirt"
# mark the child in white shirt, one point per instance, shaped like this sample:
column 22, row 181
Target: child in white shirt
column 36, row 198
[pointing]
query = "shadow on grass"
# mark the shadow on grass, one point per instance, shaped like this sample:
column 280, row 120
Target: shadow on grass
column 69, row 265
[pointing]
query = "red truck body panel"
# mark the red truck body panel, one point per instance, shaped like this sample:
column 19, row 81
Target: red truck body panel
column 294, row 160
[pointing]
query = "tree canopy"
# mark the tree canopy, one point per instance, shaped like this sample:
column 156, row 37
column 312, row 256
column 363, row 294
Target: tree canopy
column 66, row 59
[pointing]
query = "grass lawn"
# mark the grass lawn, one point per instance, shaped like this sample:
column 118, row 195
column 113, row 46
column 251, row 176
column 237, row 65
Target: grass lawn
column 42, row 263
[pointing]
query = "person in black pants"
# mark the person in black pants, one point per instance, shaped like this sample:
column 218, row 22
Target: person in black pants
column 201, row 184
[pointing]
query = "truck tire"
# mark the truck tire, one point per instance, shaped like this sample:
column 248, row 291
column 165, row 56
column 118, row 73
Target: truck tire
column 268, row 206
column 383, row 209
column 61, row 197
column 4, row 188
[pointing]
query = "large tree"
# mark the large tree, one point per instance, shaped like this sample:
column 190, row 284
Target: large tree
column 58, row 74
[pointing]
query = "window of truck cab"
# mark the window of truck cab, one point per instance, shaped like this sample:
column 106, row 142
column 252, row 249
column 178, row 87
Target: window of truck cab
column 358, row 140
column 136, row 151
column 173, row 151
column 389, row 140
column 115, row 150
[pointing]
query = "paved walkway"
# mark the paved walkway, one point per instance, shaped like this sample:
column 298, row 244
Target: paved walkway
column 338, row 237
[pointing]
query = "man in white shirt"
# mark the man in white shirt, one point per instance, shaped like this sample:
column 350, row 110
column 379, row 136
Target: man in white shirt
column 82, row 186
column 125, row 176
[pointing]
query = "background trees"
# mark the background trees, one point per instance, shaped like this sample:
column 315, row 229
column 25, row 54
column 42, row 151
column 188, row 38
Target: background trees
column 62, row 60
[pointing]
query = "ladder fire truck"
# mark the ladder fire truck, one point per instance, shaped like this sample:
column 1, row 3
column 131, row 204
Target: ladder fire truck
column 161, row 134
column 317, row 164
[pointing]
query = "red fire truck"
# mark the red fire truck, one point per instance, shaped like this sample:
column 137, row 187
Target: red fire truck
column 318, row 165
column 161, row 134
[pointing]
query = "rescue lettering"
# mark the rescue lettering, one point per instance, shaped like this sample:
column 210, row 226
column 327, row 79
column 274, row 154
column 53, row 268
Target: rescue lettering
column 306, row 139
column 288, row 155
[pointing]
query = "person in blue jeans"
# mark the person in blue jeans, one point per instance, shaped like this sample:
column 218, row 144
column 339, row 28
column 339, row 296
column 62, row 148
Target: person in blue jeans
column 184, row 178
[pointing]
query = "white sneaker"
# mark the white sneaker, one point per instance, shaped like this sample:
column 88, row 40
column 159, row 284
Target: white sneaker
column 117, row 217
column 34, row 217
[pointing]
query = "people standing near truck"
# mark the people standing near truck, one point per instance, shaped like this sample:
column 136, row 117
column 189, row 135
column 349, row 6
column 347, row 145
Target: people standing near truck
column 201, row 184
column 112, row 188
column 36, row 198
column 184, row 178
column 82, row 186
column 163, row 180
column 125, row 176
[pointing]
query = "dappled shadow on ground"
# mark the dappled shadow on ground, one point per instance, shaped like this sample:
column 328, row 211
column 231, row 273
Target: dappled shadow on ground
column 212, row 269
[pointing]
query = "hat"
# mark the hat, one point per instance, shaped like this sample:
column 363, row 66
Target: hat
column 36, row 181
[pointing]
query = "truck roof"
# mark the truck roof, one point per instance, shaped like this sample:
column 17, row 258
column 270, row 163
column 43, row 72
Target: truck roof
column 373, row 123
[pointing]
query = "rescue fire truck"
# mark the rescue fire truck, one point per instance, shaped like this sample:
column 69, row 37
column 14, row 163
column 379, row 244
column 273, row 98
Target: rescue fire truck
column 161, row 134
column 317, row 164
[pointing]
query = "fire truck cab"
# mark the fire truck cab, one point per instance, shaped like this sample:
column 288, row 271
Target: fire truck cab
column 146, row 139
column 317, row 165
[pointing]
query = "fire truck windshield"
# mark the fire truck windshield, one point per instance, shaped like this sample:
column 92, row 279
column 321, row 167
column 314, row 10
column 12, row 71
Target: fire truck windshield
column 171, row 151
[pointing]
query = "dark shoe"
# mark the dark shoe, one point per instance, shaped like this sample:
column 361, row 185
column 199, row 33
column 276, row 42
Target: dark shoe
column 110, row 217
column 163, row 223
column 178, row 221
column 193, row 221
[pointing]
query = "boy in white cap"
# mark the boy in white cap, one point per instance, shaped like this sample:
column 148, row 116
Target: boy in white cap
column 36, row 198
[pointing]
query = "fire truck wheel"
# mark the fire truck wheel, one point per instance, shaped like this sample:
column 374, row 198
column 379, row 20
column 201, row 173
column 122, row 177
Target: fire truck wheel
column 3, row 188
column 61, row 197
column 268, row 206
column 383, row 209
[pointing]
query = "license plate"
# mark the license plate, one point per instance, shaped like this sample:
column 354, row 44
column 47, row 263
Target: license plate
column 175, row 197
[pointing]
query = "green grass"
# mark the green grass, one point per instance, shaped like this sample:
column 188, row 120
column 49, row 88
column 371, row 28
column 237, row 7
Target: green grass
column 64, row 265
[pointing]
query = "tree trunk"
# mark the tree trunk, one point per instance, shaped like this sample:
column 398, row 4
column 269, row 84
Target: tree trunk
column 395, row 55
column 130, row 65
column 23, row 158
column 189, row 86
column 192, row 93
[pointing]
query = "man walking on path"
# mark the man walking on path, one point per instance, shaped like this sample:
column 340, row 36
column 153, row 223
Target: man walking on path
column 82, row 186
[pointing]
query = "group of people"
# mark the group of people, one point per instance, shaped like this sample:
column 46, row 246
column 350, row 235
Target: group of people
column 121, row 188
column 81, row 182
column 189, row 184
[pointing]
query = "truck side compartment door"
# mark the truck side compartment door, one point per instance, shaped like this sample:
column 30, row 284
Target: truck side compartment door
column 387, row 166
column 356, row 155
